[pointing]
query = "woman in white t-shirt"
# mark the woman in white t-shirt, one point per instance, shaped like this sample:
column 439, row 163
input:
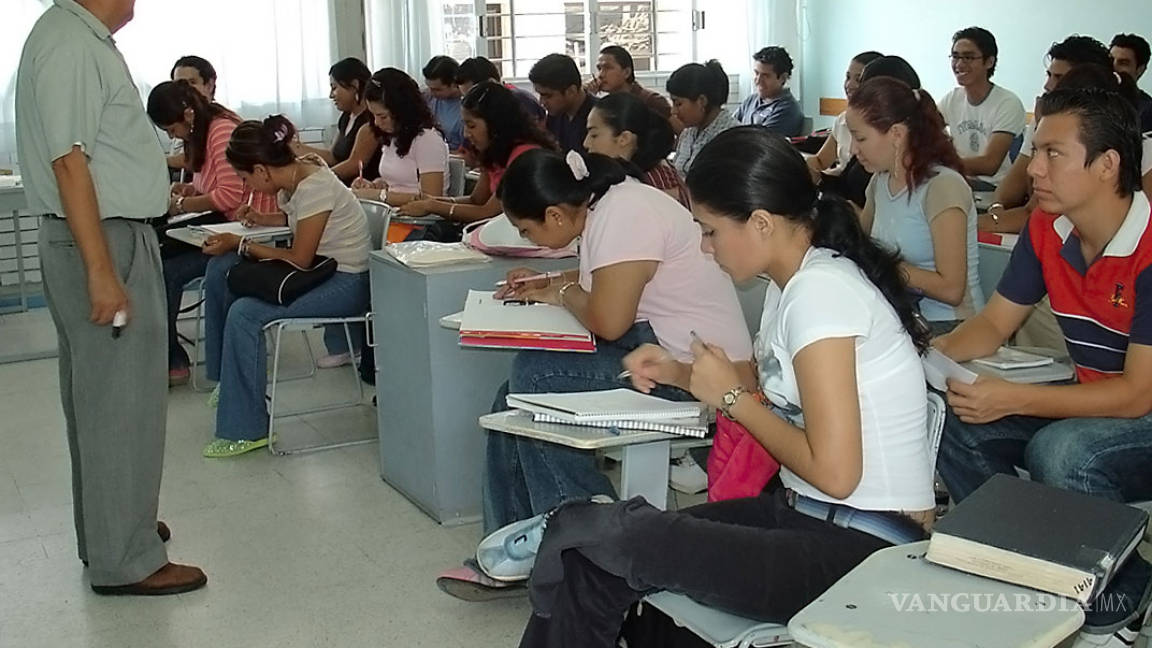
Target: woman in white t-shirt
column 414, row 157
column 326, row 220
column 837, row 149
column 843, row 411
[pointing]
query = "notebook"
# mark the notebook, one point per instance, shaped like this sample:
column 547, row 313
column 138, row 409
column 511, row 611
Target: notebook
column 612, row 405
column 938, row 368
column 258, row 232
column 1007, row 358
column 692, row 426
column 1038, row 536
column 489, row 322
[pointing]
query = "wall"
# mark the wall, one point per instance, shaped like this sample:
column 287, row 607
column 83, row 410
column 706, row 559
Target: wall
column 836, row 30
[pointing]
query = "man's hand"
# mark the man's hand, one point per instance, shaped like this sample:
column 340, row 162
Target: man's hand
column 986, row 400
column 107, row 295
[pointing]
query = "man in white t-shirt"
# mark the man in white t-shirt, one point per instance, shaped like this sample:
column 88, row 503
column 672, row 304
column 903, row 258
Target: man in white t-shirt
column 982, row 117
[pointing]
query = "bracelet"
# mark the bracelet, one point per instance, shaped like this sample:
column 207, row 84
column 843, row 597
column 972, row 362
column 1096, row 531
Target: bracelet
column 242, row 250
column 995, row 217
column 452, row 210
column 179, row 204
column 383, row 195
column 564, row 289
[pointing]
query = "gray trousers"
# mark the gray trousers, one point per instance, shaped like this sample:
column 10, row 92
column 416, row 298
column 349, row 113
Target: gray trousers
column 115, row 398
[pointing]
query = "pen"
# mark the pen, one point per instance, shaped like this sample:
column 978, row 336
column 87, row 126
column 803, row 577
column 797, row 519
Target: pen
column 546, row 275
column 361, row 165
column 118, row 322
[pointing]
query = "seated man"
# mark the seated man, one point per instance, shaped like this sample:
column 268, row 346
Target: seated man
column 443, row 96
column 479, row 69
column 982, row 117
column 1089, row 247
column 557, row 80
column 772, row 105
column 1130, row 54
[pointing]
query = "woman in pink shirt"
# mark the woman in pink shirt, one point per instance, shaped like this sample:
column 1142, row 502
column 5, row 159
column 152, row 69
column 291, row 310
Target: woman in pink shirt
column 643, row 278
column 499, row 129
column 205, row 127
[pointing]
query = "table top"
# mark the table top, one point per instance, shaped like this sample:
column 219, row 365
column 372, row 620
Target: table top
column 896, row 598
column 196, row 237
column 520, row 423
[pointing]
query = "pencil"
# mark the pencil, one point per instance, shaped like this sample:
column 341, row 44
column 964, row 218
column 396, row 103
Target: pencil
column 546, row 275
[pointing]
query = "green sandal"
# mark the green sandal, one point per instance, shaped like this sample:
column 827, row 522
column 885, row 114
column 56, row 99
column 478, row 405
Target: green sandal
column 221, row 448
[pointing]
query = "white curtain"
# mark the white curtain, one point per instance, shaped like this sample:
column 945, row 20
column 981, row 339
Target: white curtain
column 272, row 56
column 403, row 33
column 776, row 22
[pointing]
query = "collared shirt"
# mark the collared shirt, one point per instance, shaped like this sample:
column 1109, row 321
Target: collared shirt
column 1101, row 306
column 780, row 114
column 654, row 100
column 693, row 139
column 74, row 88
column 447, row 114
column 570, row 131
column 1144, row 107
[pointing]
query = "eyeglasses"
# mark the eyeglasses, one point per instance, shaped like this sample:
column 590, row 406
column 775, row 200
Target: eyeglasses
column 967, row 58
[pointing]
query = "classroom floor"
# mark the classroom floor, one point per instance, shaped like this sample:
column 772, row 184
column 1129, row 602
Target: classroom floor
column 305, row 550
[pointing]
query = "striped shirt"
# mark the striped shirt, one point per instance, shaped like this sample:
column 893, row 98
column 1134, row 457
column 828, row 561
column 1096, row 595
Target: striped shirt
column 1101, row 307
column 664, row 177
column 220, row 182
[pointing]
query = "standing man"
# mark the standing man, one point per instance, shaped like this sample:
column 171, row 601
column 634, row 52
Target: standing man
column 772, row 105
column 557, row 80
column 94, row 168
column 1130, row 54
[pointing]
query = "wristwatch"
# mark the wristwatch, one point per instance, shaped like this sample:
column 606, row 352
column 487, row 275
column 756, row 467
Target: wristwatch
column 729, row 399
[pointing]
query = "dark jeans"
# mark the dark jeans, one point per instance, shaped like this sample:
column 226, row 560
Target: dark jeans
column 754, row 557
column 524, row 477
column 179, row 269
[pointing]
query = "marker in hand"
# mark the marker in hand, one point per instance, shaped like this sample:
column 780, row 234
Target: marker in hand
column 118, row 322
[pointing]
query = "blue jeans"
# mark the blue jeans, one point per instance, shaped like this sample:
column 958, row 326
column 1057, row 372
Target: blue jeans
column 234, row 340
column 178, row 271
column 1105, row 457
column 523, row 477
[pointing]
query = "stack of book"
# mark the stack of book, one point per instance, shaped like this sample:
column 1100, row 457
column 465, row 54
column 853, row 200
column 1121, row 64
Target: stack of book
column 616, row 409
column 492, row 323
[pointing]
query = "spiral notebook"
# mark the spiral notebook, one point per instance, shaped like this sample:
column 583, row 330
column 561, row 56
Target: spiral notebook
column 693, row 426
column 614, row 405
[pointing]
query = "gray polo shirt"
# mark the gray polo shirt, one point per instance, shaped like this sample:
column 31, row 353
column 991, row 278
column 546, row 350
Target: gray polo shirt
column 73, row 87
column 781, row 115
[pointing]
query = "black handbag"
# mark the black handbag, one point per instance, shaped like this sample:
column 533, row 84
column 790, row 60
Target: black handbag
column 277, row 281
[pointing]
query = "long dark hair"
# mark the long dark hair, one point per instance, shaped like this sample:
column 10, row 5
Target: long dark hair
column 509, row 125
column 884, row 102
column 352, row 74
column 624, row 111
column 398, row 92
column 748, row 168
column 268, row 142
column 166, row 105
column 539, row 178
column 694, row 80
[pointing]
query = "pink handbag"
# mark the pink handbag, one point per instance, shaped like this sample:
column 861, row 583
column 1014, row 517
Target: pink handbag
column 738, row 466
column 498, row 237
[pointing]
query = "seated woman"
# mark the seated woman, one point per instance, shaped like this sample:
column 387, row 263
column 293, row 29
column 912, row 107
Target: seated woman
column 204, row 127
column 621, row 126
column 838, row 353
column 414, row 161
column 355, row 152
column 326, row 219
column 837, row 149
column 497, row 127
column 918, row 201
column 698, row 94
column 643, row 279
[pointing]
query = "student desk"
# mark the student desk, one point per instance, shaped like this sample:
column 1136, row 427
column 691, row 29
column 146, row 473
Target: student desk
column 896, row 598
column 196, row 238
column 992, row 260
column 430, row 391
column 11, row 202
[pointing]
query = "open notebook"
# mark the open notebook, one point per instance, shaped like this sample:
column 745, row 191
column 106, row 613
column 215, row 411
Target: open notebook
column 254, row 233
column 489, row 322
column 617, row 408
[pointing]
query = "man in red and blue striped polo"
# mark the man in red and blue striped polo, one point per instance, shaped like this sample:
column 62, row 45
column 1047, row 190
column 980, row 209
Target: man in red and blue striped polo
column 1088, row 246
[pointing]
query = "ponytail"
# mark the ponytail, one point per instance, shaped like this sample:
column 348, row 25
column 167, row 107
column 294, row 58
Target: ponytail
column 693, row 80
column 268, row 142
column 748, row 168
column 654, row 137
column 166, row 105
column 540, row 178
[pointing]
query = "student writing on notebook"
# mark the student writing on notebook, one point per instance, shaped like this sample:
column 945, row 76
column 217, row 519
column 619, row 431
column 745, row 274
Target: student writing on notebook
column 838, row 359
column 499, row 129
column 200, row 74
column 698, row 94
column 326, row 220
column 917, row 201
column 623, row 127
column 1088, row 246
column 643, row 278
column 204, row 126
column 355, row 151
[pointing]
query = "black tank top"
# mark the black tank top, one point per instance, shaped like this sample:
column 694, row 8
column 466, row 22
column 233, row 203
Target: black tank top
column 345, row 138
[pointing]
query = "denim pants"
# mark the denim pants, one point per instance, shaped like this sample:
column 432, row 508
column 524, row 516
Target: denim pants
column 1104, row 457
column 180, row 269
column 234, row 340
column 523, row 477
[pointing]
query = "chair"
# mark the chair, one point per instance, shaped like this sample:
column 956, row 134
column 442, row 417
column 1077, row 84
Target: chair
column 379, row 216
column 456, row 171
column 725, row 630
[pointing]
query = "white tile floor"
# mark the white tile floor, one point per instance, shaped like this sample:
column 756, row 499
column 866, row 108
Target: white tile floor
column 306, row 550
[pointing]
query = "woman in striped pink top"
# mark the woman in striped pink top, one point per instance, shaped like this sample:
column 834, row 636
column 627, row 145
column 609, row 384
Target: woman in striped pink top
column 205, row 128
column 623, row 127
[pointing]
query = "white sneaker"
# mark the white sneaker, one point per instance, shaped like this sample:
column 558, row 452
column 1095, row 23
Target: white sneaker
column 1123, row 638
column 686, row 476
column 335, row 360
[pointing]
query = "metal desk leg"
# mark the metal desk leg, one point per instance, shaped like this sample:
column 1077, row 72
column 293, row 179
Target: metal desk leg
column 20, row 278
column 644, row 471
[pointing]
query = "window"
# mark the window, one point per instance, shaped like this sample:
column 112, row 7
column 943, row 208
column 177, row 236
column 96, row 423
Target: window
column 515, row 34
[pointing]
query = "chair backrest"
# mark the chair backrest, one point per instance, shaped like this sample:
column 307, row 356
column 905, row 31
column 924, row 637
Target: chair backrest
column 456, row 172
column 936, row 413
column 379, row 217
